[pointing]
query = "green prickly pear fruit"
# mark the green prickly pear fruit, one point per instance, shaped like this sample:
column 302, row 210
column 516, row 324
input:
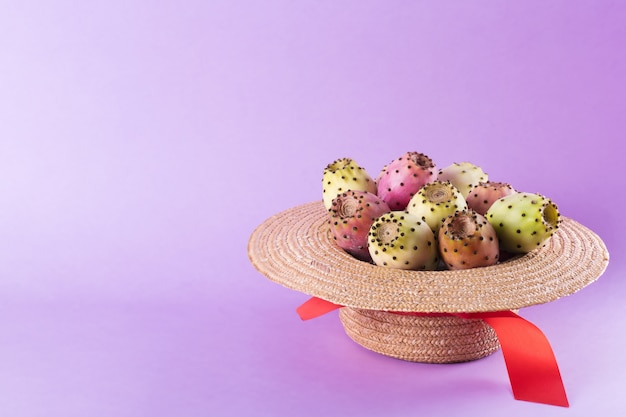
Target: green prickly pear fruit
column 400, row 240
column 523, row 221
column 343, row 175
column 434, row 202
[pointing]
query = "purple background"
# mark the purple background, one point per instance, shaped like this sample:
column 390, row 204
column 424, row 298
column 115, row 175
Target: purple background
column 141, row 142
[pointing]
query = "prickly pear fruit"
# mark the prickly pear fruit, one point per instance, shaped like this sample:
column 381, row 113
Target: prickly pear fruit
column 400, row 240
column 482, row 196
column 342, row 175
column 351, row 216
column 463, row 175
column 434, row 202
column 403, row 177
column 467, row 240
column 523, row 221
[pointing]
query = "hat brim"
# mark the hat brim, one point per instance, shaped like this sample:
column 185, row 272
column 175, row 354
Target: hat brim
column 295, row 249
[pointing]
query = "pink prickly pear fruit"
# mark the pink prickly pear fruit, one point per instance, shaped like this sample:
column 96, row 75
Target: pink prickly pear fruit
column 402, row 178
column 463, row 175
column 351, row 216
column 484, row 194
column 467, row 240
column 342, row 175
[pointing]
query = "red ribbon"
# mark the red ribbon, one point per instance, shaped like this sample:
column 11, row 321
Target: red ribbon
column 530, row 361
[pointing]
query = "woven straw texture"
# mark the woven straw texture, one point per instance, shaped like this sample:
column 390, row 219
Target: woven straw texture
column 295, row 249
column 420, row 339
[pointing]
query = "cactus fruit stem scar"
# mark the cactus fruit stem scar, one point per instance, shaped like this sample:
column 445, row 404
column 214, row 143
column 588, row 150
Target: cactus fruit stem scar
column 462, row 226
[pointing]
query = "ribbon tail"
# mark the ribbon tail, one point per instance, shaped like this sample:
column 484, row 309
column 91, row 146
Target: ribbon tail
column 533, row 371
column 315, row 307
column 530, row 361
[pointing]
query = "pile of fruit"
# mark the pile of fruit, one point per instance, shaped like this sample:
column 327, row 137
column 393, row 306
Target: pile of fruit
column 417, row 217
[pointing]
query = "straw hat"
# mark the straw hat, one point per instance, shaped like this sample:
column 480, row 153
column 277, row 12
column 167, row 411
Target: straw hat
column 420, row 339
column 295, row 249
